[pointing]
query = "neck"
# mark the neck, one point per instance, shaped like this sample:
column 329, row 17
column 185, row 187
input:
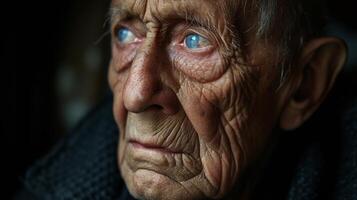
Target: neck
column 252, row 176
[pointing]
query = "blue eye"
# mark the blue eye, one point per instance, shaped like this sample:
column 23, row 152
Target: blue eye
column 124, row 35
column 195, row 41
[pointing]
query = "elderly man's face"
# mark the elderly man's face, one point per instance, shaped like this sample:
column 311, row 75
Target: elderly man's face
column 194, row 112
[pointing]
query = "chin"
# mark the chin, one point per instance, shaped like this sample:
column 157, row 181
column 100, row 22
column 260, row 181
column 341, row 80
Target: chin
column 148, row 184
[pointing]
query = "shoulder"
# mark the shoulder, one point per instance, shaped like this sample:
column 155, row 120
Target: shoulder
column 328, row 165
column 83, row 165
column 318, row 160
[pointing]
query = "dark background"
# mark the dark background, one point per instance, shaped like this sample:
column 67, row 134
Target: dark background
column 53, row 70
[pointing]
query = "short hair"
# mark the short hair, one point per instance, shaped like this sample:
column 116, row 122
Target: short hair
column 292, row 23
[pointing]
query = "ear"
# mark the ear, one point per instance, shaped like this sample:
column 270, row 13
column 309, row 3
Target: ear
column 320, row 62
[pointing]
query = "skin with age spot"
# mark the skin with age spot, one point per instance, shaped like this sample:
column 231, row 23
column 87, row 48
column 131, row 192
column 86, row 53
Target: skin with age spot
column 191, row 120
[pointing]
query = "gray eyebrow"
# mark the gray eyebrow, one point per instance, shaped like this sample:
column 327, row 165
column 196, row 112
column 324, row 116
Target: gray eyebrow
column 190, row 16
column 116, row 13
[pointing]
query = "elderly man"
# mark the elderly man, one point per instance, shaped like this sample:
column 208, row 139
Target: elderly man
column 204, row 91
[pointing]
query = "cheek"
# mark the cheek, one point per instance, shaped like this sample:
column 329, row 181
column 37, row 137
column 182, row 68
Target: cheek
column 117, row 81
column 205, row 104
column 201, row 113
column 203, row 68
column 221, row 114
column 202, row 105
column 122, row 57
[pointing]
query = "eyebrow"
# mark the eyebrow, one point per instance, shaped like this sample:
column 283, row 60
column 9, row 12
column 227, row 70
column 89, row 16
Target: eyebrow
column 197, row 20
column 190, row 16
column 116, row 14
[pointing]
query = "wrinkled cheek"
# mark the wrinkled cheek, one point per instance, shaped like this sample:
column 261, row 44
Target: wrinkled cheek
column 120, row 115
column 220, row 163
column 212, row 168
column 116, row 82
column 119, row 111
column 203, row 117
column 121, row 151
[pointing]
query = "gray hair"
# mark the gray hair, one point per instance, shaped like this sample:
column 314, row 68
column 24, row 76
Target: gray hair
column 292, row 22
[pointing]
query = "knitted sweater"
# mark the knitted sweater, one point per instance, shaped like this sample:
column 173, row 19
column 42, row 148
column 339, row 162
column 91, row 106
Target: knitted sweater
column 317, row 161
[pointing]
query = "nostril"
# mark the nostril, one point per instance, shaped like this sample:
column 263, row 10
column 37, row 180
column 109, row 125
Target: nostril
column 140, row 96
column 155, row 107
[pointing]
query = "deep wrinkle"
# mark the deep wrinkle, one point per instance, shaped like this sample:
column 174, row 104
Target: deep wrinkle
column 188, row 15
column 169, row 96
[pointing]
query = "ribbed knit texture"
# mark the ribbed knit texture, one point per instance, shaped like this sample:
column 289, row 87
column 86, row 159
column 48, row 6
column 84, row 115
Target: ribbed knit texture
column 346, row 183
column 328, row 169
column 83, row 165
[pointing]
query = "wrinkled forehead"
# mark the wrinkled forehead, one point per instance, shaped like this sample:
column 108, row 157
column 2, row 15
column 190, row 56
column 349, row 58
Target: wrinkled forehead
column 148, row 10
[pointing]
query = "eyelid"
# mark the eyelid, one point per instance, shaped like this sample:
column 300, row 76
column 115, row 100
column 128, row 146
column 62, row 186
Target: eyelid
column 189, row 31
column 132, row 25
column 136, row 40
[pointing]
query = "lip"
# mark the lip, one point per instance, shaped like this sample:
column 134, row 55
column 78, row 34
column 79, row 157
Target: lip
column 153, row 147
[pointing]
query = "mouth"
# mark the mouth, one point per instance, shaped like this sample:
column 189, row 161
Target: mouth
column 140, row 154
column 153, row 147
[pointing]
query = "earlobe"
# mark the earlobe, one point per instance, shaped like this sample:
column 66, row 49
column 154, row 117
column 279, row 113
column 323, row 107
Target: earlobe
column 320, row 62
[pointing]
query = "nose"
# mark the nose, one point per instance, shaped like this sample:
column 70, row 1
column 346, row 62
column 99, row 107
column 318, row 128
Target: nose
column 144, row 89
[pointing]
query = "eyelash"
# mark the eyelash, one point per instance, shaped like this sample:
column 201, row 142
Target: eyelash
column 181, row 36
column 180, row 42
column 120, row 26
